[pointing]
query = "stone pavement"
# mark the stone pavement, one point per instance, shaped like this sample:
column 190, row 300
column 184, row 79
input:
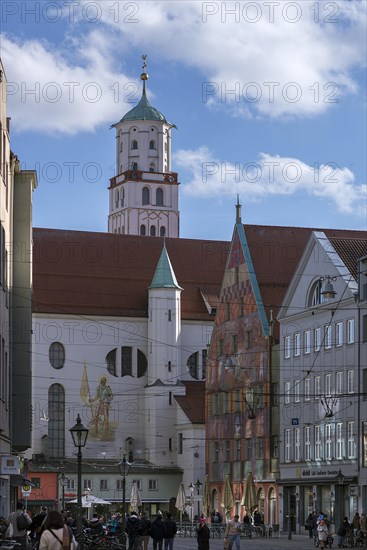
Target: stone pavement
column 298, row 542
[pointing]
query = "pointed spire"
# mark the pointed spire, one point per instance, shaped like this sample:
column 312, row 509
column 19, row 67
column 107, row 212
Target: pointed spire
column 164, row 276
column 144, row 75
column 238, row 210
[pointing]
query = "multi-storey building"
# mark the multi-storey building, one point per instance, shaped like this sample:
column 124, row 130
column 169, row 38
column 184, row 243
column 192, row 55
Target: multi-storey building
column 321, row 374
column 121, row 324
column 245, row 409
column 16, row 187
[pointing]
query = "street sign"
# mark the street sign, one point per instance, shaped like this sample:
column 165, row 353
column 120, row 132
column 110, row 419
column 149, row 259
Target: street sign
column 26, row 490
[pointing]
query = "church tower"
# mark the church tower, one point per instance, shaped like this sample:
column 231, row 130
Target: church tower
column 143, row 196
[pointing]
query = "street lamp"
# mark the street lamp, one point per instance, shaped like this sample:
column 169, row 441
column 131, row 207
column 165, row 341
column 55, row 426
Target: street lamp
column 79, row 433
column 124, row 467
column 198, row 484
column 191, row 489
column 63, row 482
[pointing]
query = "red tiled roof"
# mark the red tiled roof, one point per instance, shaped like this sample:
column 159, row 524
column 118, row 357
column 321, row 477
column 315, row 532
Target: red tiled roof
column 88, row 273
column 193, row 403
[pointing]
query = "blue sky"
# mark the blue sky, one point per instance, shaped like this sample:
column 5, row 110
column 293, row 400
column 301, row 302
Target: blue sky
column 269, row 100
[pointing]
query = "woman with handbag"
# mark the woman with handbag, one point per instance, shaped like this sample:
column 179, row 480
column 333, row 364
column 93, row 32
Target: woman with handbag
column 56, row 535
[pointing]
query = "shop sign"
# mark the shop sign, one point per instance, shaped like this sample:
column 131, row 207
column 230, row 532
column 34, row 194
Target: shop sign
column 10, row 465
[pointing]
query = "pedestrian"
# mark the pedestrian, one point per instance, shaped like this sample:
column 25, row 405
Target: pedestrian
column 363, row 524
column 144, row 537
column 36, row 526
column 16, row 519
column 233, row 532
column 356, row 524
column 133, row 530
column 56, row 535
column 342, row 531
column 157, row 532
column 203, row 535
column 308, row 524
column 322, row 533
column 170, row 530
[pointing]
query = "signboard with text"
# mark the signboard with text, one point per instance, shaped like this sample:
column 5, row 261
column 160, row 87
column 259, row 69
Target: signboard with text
column 10, row 465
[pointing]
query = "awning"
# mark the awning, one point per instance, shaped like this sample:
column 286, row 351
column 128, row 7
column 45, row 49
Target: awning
column 17, row 480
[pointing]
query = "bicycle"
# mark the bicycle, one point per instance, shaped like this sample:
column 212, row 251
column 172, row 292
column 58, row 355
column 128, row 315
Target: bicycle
column 9, row 544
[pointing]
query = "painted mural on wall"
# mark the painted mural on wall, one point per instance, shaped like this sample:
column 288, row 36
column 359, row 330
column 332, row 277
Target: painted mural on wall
column 101, row 427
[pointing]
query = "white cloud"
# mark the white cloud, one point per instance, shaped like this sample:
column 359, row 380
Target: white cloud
column 271, row 175
column 49, row 93
column 269, row 58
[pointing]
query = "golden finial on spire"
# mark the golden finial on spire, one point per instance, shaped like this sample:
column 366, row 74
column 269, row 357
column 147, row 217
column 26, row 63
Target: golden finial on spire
column 144, row 75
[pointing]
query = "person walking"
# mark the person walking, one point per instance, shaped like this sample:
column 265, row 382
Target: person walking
column 157, row 532
column 170, row 530
column 36, row 526
column 133, row 530
column 233, row 531
column 56, row 535
column 20, row 522
column 203, row 535
column 342, row 531
column 145, row 532
column 322, row 533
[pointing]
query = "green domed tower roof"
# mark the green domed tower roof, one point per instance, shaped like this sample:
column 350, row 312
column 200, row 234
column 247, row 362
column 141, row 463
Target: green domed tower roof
column 144, row 110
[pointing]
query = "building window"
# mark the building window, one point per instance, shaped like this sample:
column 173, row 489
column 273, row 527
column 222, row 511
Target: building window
column 274, row 446
column 307, row 435
column 242, row 309
column 287, row 347
column 287, row 447
column 297, row 444
column 138, row 483
column 180, row 443
column 339, row 441
column 364, row 328
column 162, row 231
column 307, row 341
column 103, row 484
column 350, row 381
column 236, row 275
column 56, row 354
column 134, row 166
column 146, row 195
column 142, row 363
column 134, row 144
column 328, row 385
column 317, row 338
column 152, row 231
column 143, row 230
column 274, row 394
column 297, row 344
column 318, row 443
column 317, row 387
column 339, row 334
column 287, row 389
column 328, row 446
column 56, row 421
column 248, row 338
column 234, row 343
column 314, row 296
column 351, row 442
column 152, row 144
column 159, row 197
column 70, row 484
column 327, row 337
column 153, row 484
column 228, row 451
column 307, row 389
column 350, row 331
column 126, row 361
column 119, row 484
column 297, row 386
column 111, row 362
column 87, row 484
column 36, row 482
column 339, row 383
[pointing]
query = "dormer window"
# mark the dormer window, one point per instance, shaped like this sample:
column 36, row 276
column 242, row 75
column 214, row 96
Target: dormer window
column 134, row 144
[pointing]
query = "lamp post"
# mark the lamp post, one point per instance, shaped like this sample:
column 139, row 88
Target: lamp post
column 79, row 433
column 124, row 467
column 191, row 489
column 198, row 484
column 63, row 482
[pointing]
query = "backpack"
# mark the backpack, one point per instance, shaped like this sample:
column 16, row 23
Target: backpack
column 22, row 522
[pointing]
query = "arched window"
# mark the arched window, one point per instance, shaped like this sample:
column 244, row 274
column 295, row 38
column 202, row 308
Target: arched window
column 143, row 230
column 152, row 144
column 117, row 196
column 111, row 362
column 56, row 354
column 152, row 167
column 162, row 231
column 146, row 195
column 193, row 365
column 142, row 364
column 159, row 197
column 152, row 231
column 314, row 295
column 56, row 421
column 126, row 361
column 134, row 144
